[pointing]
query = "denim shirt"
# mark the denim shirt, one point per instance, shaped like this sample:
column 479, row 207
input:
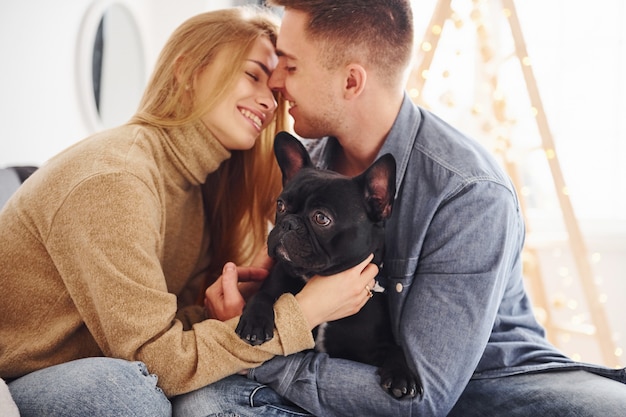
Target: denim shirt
column 453, row 262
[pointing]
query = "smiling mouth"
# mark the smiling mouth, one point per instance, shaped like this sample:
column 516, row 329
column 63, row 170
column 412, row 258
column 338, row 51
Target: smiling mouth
column 256, row 120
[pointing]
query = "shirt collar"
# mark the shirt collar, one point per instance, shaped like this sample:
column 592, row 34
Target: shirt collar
column 401, row 137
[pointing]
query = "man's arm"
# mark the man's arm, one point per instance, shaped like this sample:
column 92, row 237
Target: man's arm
column 448, row 306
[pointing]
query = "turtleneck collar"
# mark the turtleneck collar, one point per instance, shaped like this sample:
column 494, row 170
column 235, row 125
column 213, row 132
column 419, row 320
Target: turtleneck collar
column 195, row 151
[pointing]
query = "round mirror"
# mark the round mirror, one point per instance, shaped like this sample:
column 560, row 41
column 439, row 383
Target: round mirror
column 111, row 65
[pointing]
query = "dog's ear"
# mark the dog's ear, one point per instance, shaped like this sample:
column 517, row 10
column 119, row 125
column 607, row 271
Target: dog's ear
column 379, row 187
column 291, row 155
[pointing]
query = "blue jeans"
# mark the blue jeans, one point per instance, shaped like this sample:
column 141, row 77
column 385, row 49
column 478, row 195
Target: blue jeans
column 235, row 396
column 555, row 394
column 95, row 387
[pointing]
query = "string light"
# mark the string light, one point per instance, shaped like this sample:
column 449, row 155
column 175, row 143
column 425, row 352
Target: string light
column 458, row 22
column 494, row 118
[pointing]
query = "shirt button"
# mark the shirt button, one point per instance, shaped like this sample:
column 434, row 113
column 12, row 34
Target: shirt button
column 399, row 287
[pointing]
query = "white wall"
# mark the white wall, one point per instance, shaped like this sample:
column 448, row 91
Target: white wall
column 579, row 75
column 40, row 109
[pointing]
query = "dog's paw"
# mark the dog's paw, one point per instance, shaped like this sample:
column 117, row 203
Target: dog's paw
column 255, row 330
column 400, row 384
column 397, row 379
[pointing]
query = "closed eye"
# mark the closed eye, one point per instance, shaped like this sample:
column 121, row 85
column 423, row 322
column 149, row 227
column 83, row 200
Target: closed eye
column 253, row 76
column 284, row 61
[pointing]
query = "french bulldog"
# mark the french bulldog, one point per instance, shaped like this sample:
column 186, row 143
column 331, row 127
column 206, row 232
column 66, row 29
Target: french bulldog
column 327, row 223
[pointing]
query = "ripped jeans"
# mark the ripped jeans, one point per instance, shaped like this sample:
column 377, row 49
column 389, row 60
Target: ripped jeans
column 97, row 387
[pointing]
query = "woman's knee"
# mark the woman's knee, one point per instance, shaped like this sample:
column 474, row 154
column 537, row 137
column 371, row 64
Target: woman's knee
column 96, row 386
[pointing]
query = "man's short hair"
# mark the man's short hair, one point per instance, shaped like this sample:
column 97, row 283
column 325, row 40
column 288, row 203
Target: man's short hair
column 378, row 34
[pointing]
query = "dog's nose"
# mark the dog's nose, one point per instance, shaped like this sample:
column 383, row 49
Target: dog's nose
column 290, row 224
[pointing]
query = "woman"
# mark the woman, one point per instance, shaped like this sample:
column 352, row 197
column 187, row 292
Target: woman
column 104, row 250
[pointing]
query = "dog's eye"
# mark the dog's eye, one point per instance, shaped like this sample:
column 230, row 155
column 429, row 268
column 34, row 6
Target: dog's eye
column 321, row 219
column 280, row 206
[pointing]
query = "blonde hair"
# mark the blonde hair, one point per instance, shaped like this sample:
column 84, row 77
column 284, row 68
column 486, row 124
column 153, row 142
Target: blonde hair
column 240, row 195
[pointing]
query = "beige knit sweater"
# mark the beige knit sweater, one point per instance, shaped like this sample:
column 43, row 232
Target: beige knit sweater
column 95, row 249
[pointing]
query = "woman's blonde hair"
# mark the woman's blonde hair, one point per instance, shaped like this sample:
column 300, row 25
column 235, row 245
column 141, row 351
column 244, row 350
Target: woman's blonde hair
column 240, row 196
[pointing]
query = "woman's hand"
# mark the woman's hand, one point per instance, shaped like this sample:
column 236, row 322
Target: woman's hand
column 227, row 296
column 337, row 296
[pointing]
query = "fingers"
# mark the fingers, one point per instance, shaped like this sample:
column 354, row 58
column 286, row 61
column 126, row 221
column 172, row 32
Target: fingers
column 364, row 296
column 225, row 299
column 367, row 260
column 251, row 273
column 368, row 279
column 368, row 273
column 233, row 299
column 337, row 296
column 368, row 291
column 250, row 279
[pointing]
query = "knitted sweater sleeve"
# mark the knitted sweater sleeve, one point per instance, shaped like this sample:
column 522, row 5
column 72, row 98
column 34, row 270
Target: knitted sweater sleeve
column 109, row 258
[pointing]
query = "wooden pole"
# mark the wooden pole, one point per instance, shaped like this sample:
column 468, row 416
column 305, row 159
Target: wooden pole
column 576, row 240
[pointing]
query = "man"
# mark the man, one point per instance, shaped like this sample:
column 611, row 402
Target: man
column 453, row 266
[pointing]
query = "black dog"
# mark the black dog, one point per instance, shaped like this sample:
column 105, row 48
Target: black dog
column 326, row 223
